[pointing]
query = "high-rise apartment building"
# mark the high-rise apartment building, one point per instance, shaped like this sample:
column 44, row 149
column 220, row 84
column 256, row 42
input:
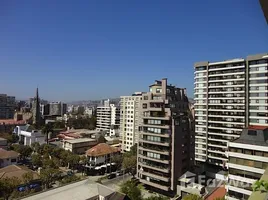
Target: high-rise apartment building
column 130, row 108
column 229, row 96
column 108, row 118
column 7, row 106
column 165, row 147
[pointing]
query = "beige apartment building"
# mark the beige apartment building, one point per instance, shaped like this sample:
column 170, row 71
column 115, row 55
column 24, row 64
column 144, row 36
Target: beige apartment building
column 165, row 147
column 130, row 113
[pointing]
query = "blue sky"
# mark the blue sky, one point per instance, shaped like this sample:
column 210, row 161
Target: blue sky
column 91, row 49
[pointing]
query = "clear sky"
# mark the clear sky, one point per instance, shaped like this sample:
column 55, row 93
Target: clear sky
column 91, row 49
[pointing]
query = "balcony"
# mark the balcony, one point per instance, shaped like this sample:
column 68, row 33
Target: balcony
column 156, row 115
column 154, row 159
column 157, row 167
column 162, row 178
column 163, row 126
column 162, row 142
column 155, row 149
column 156, row 185
column 163, row 134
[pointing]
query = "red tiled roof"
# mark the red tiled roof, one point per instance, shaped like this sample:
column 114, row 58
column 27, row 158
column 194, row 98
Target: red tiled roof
column 4, row 154
column 16, row 171
column 258, row 127
column 217, row 193
column 101, row 150
column 12, row 121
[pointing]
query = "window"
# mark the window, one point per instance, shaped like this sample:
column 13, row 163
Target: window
column 252, row 132
column 158, row 90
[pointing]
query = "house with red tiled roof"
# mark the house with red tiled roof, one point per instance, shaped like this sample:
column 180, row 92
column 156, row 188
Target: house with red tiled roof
column 101, row 154
column 16, row 171
column 8, row 158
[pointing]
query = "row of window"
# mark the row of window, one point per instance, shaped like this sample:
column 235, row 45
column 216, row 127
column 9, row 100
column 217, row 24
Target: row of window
column 249, row 152
column 152, row 121
column 154, row 138
column 153, row 155
column 249, row 163
column 154, row 130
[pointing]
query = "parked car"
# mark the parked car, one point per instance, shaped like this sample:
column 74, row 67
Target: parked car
column 119, row 173
column 111, row 176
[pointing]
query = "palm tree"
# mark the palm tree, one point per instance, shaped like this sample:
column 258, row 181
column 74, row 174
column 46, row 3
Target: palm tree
column 46, row 130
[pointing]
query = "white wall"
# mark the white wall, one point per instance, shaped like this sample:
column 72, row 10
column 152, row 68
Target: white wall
column 7, row 162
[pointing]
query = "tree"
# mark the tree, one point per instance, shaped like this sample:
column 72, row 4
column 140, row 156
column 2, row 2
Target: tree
column 130, row 160
column 118, row 160
column 260, row 185
column 27, row 177
column 50, row 163
column 24, row 151
column 36, row 147
column 48, row 176
column 83, row 162
column 159, row 197
column 133, row 150
column 220, row 198
column 131, row 190
column 192, row 197
column 7, row 186
column 37, row 160
column 73, row 160
column 46, row 130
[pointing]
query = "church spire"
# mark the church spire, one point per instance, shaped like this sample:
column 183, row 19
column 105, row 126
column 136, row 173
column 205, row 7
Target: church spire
column 37, row 109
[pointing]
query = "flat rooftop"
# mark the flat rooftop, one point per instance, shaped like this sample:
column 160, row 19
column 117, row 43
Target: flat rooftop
column 80, row 140
column 81, row 190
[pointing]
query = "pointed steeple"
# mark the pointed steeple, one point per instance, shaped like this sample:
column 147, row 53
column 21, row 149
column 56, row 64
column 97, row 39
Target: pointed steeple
column 37, row 109
column 37, row 94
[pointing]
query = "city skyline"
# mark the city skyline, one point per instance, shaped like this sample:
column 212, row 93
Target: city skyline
column 94, row 50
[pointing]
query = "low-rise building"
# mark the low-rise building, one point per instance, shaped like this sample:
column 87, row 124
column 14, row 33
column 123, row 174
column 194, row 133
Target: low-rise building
column 101, row 154
column 7, row 125
column 247, row 161
column 79, row 146
column 8, row 158
column 17, row 171
column 3, row 143
column 27, row 135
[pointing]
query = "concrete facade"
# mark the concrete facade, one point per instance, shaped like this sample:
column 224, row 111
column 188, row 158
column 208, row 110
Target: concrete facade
column 229, row 95
column 165, row 147
column 130, row 115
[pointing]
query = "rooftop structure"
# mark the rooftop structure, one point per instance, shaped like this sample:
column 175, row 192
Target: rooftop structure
column 79, row 146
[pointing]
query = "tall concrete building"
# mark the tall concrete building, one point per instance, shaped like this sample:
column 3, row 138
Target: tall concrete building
column 108, row 118
column 130, row 115
column 7, row 106
column 166, row 141
column 229, row 95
